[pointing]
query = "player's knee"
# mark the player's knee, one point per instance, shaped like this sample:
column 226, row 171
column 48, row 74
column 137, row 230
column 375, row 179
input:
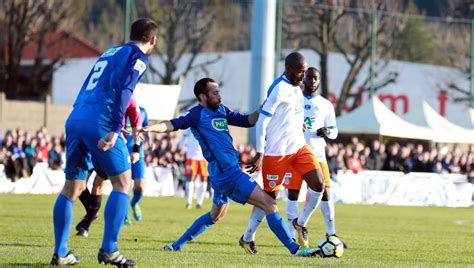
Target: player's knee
column 293, row 195
column 139, row 186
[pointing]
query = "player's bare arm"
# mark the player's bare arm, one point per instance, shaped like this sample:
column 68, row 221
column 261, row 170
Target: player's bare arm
column 164, row 126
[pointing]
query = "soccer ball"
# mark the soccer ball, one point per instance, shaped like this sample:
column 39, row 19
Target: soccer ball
column 331, row 247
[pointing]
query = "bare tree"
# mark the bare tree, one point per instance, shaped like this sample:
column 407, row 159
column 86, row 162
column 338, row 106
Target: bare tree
column 184, row 29
column 457, row 40
column 336, row 25
column 24, row 22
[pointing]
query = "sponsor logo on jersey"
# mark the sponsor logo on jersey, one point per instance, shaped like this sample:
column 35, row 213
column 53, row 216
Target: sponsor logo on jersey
column 299, row 107
column 110, row 52
column 272, row 177
column 140, row 66
column 309, row 120
column 220, row 124
column 288, row 175
column 272, row 184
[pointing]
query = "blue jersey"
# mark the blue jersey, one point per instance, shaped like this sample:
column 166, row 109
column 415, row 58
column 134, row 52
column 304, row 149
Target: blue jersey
column 211, row 130
column 105, row 94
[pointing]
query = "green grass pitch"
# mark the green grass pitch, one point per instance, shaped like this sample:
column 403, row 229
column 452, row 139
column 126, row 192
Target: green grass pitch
column 376, row 235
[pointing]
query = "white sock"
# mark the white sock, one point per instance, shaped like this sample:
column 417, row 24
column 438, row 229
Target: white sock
column 255, row 219
column 327, row 208
column 189, row 192
column 312, row 201
column 201, row 192
column 291, row 214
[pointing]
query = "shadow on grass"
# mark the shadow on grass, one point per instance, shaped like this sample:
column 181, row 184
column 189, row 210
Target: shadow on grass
column 20, row 245
column 37, row 264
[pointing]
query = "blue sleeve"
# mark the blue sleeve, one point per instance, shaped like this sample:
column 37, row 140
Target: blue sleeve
column 133, row 73
column 122, row 98
column 237, row 119
column 145, row 118
column 188, row 120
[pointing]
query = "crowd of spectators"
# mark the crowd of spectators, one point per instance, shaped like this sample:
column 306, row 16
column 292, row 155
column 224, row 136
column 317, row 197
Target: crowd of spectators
column 21, row 150
column 394, row 156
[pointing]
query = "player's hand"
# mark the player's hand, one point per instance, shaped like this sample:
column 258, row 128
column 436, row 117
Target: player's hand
column 134, row 157
column 305, row 127
column 125, row 132
column 254, row 164
column 322, row 132
column 108, row 141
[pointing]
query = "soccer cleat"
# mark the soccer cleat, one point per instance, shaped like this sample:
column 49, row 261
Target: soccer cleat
column 189, row 206
column 83, row 232
column 198, row 206
column 81, row 228
column 307, row 252
column 115, row 258
column 70, row 259
column 137, row 212
column 340, row 238
column 169, row 247
column 249, row 247
column 127, row 221
column 302, row 233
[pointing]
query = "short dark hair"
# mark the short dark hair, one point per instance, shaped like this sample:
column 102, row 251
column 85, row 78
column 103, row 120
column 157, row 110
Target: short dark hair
column 201, row 86
column 313, row 69
column 143, row 30
column 294, row 59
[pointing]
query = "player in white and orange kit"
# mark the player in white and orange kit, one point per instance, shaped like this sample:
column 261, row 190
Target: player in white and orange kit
column 281, row 142
column 320, row 121
column 195, row 165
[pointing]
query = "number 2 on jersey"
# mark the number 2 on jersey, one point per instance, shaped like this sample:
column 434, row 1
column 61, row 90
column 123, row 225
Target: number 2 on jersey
column 99, row 68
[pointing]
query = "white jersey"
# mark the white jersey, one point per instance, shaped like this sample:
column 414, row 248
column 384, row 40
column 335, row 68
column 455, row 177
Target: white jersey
column 284, row 133
column 193, row 151
column 318, row 113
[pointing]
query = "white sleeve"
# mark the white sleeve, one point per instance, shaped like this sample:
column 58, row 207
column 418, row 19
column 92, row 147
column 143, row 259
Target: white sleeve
column 266, row 113
column 272, row 102
column 184, row 138
column 330, row 123
column 261, row 129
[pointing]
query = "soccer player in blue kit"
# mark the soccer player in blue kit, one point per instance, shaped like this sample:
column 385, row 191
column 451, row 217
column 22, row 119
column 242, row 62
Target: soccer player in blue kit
column 92, row 131
column 209, row 124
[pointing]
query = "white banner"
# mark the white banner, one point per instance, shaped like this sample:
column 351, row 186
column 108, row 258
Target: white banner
column 159, row 182
column 397, row 188
column 366, row 187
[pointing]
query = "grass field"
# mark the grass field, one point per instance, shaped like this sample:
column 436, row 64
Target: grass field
column 376, row 235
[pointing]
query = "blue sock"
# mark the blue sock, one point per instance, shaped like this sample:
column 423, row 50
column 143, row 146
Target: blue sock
column 279, row 228
column 136, row 197
column 62, row 218
column 114, row 215
column 200, row 225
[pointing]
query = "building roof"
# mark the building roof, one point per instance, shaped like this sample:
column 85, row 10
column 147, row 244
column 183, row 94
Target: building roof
column 64, row 45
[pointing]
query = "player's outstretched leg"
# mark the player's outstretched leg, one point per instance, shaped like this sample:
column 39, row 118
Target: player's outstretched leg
column 315, row 181
column 62, row 218
column 138, row 190
column 247, row 241
column 92, row 210
column 199, row 226
column 189, row 192
column 327, row 208
column 114, row 214
column 201, row 193
column 276, row 223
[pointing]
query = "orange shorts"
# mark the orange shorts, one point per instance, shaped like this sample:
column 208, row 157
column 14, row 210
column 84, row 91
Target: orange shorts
column 293, row 180
column 196, row 167
column 274, row 168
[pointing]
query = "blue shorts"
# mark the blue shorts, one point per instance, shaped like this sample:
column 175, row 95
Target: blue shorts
column 138, row 168
column 233, row 184
column 81, row 147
